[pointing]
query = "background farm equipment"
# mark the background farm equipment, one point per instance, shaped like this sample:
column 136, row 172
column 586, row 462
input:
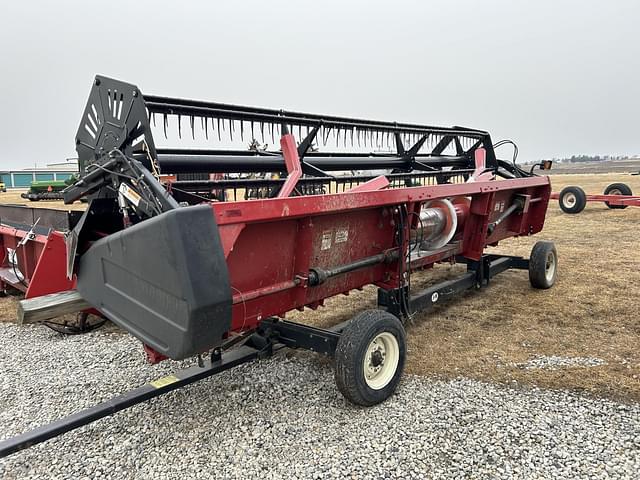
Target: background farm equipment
column 192, row 269
column 573, row 199
column 47, row 189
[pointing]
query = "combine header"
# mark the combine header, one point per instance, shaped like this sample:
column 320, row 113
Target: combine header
column 191, row 268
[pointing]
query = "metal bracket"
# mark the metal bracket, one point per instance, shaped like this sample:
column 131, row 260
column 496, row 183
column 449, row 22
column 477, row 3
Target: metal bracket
column 479, row 273
column 296, row 335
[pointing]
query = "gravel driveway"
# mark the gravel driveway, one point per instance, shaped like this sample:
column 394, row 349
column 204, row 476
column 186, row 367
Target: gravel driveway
column 283, row 418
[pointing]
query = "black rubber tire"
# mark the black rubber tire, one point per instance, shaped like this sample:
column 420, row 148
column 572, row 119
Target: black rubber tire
column 617, row 189
column 580, row 199
column 350, row 354
column 541, row 254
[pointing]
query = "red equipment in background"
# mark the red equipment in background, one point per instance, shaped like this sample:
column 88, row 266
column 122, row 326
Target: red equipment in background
column 33, row 249
column 573, row 199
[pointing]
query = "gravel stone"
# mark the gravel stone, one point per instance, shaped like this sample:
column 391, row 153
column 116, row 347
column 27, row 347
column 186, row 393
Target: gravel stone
column 554, row 362
column 284, row 418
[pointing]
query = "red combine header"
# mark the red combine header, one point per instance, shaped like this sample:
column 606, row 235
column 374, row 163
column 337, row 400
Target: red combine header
column 210, row 267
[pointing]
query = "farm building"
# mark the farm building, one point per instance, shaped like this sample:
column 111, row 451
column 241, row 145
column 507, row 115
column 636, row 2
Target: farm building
column 53, row 171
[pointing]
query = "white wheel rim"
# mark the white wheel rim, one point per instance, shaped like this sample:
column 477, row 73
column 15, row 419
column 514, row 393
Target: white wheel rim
column 550, row 267
column 381, row 360
column 569, row 200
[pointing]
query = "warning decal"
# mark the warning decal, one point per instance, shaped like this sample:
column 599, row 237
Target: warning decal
column 326, row 240
column 342, row 235
column 164, row 381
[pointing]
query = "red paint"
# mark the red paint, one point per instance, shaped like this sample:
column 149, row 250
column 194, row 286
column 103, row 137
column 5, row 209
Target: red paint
column 27, row 255
column 273, row 243
column 377, row 183
column 292, row 161
column 49, row 275
column 153, row 356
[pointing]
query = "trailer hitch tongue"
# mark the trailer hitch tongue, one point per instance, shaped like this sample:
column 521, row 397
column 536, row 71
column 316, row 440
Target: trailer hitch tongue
column 238, row 356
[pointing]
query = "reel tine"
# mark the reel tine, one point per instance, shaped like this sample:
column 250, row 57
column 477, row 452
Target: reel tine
column 352, row 136
column 193, row 130
column 231, row 130
column 273, row 139
column 327, row 133
column 262, row 131
column 253, row 137
column 204, row 123
column 153, row 119
column 179, row 126
column 165, row 122
column 218, row 120
column 242, row 130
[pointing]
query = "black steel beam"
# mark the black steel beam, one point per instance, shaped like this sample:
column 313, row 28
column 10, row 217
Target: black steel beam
column 427, row 298
column 203, row 185
column 297, row 335
column 479, row 273
column 223, row 162
column 197, row 108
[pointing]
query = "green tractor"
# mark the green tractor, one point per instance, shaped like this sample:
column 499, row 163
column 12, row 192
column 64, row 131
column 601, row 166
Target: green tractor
column 48, row 189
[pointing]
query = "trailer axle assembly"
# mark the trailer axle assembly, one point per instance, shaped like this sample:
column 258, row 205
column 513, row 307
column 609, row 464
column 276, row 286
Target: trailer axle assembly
column 573, row 199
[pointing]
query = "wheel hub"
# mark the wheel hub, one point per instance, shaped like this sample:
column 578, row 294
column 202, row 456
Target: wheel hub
column 550, row 266
column 381, row 360
column 569, row 199
column 377, row 358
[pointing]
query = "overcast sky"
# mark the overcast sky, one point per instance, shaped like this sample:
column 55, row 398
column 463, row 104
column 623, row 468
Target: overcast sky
column 559, row 77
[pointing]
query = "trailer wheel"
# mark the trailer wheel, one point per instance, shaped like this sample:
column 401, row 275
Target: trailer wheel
column 572, row 200
column 543, row 265
column 370, row 357
column 617, row 189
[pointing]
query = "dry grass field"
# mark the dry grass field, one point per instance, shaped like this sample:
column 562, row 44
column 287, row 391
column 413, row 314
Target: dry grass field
column 592, row 312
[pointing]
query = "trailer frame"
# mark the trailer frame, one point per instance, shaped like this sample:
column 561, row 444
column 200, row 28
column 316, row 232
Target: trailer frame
column 271, row 335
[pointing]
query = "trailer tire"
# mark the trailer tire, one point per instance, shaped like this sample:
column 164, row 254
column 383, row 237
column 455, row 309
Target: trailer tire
column 369, row 358
column 572, row 199
column 617, row 189
column 543, row 265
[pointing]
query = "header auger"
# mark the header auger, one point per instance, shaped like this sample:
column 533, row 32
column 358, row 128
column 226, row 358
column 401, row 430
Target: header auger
column 166, row 251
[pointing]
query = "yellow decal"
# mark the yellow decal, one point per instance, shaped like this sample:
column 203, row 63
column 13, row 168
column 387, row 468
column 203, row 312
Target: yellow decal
column 129, row 193
column 164, row 381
